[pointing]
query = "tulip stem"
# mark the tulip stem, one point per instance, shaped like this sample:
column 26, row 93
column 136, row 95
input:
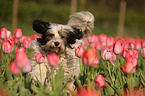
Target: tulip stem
column 120, row 73
column 8, row 74
column 40, row 73
column 88, row 75
column 110, row 73
column 80, row 66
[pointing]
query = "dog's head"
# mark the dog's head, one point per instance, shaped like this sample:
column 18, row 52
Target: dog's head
column 53, row 36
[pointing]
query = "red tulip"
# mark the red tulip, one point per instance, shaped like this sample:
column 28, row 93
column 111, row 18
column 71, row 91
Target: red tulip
column 100, row 81
column 110, row 41
column 21, row 57
column 129, row 67
column 3, row 33
column 143, row 53
column 102, row 37
column 118, row 47
column 143, row 42
column 26, row 43
column 79, row 51
column 89, row 57
column 39, row 58
column 22, row 38
column 18, row 33
column 93, row 38
column 53, row 59
column 7, row 46
column 14, row 69
column 87, row 92
column 9, row 34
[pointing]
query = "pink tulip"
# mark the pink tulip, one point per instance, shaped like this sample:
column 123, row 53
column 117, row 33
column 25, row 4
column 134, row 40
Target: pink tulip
column 89, row 57
column 107, row 54
column 79, row 51
column 7, row 46
column 27, row 67
column 18, row 33
column 3, row 33
column 102, row 37
column 118, row 47
column 14, row 69
column 100, row 81
column 143, row 53
column 93, row 38
column 39, row 58
column 110, row 41
column 53, row 59
column 21, row 58
column 143, row 42
column 129, row 67
column 138, row 44
column 26, row 43
column 22, row 38
column 9, row 34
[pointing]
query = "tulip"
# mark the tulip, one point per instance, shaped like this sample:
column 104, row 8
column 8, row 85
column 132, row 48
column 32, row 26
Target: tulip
column 129, row 67
column 79, row 51
column 102, row 37
column 87, row 92
column 100, row 81
column 27, row 67
column 93, row 38
column 21, row 58
column 143, row 53
column 89, row 57
column 26, row 43
column 143, row 42
column 7, row 46
column 14, row 69
column 9, row 34
column 3, row 33
column 18, row 33
column 33, row 37
column 109, row 41
column 107, row 54
column 39, row 58
column 53, row 59
column 118, row 47
column 22, row 38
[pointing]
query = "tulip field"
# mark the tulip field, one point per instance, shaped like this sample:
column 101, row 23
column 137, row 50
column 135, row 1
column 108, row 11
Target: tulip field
column 109, row 66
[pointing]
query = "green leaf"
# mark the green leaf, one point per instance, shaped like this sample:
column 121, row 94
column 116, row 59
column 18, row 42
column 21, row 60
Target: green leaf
column 24, row 92
column 35, row 89
column 109, row 90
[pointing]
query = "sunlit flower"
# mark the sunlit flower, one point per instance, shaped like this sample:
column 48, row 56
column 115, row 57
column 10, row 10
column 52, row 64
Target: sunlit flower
column 102, row 37
column 89, row 57
column 3, row 33
column 79, row 51
column 143, row 53
column 18, row 33
column 14, row 69
column 118, row 47
column 21, row 58
column 129, row 67
column 7, row 46
column 53, row 59
column 39, row 58
column 100, row 81
column 26, row 43
column 107, row 54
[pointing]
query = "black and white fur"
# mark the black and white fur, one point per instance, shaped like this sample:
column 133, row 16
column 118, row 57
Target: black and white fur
column 60, row 39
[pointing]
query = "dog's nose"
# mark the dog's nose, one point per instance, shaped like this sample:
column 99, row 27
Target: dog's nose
column 56, row 43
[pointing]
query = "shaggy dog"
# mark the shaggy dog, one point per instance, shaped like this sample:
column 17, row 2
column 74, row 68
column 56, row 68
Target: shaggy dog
column 60, row 39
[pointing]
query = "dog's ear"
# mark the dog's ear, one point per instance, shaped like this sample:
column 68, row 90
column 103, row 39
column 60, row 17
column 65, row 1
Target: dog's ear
column 40, row 26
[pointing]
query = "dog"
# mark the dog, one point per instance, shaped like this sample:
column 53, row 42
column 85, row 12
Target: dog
column 61, row 39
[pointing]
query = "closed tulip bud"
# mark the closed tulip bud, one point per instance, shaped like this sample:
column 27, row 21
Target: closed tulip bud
column 3, row 33
column 18, row 33
column 9, row 34
column 102, row 37
column 21, row 57
column 14, row 69
column 7, row 46
column 89, row 57
column 53, row 59
column 39, row 58
column 79, row 51
column 27, row 43
column 100, row 81
column 118, row 47
column 22, row 38
column 143, row 53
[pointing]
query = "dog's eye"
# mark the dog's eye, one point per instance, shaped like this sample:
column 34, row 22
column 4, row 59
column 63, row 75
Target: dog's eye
column 62, row 37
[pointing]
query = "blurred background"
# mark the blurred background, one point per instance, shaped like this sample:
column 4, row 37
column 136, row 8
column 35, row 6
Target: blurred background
column 112, row 17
